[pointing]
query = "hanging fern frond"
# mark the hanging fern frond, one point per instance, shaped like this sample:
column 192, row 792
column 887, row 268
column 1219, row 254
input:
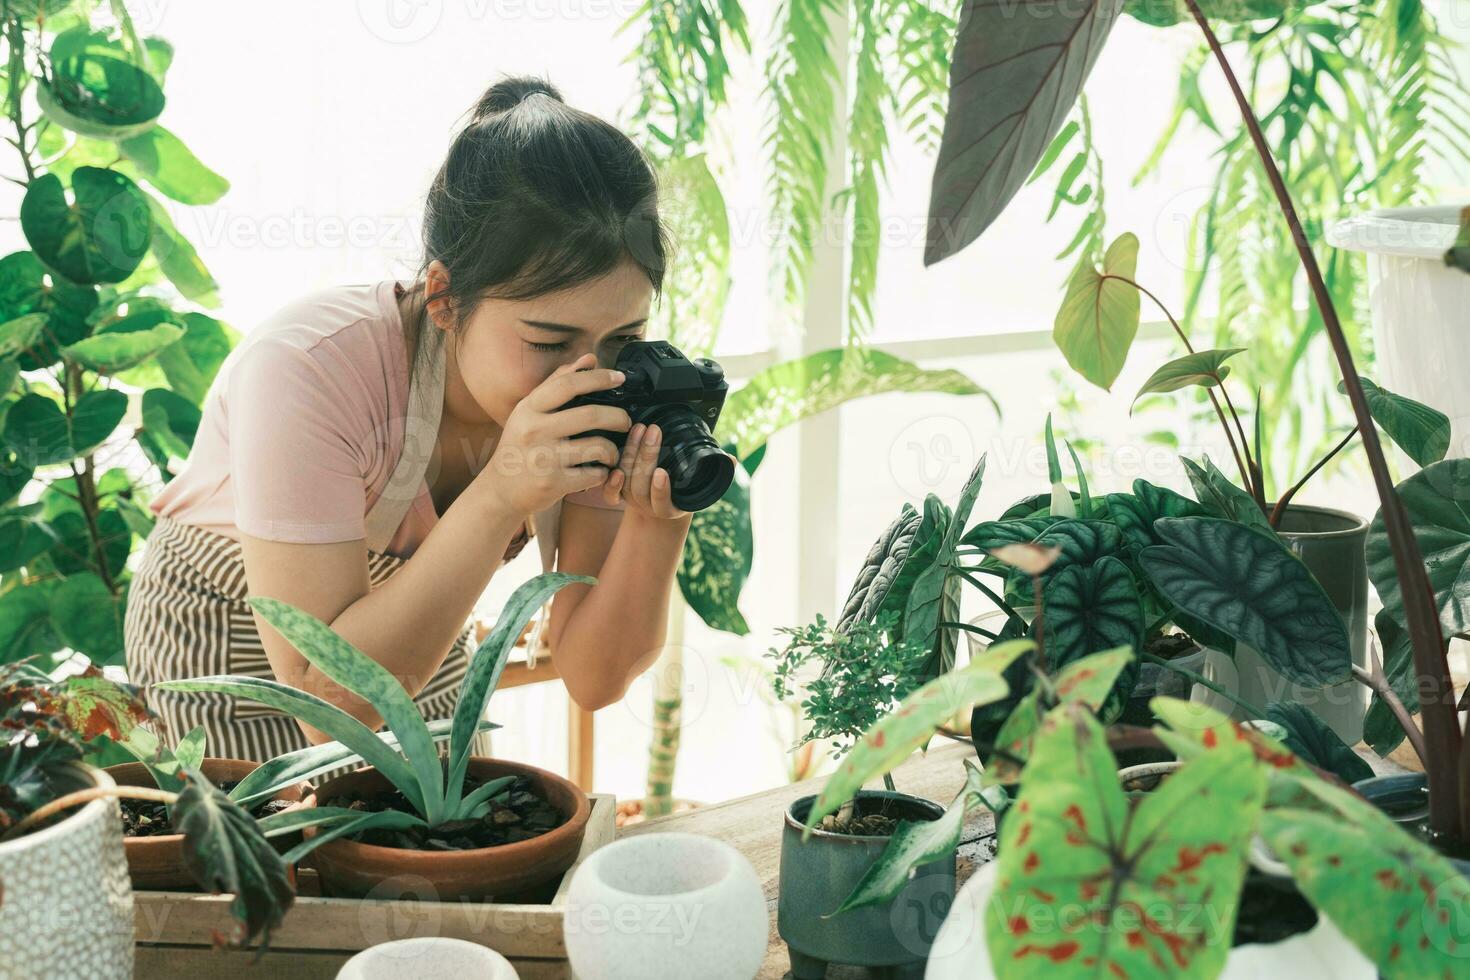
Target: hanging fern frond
column 801, row 78
column 870, row 108
column 683, row 68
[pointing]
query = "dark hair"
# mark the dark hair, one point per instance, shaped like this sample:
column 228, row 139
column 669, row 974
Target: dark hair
column 536, row 196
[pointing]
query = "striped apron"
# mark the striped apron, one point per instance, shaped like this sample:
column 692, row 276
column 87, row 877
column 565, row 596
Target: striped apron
column 187, row 614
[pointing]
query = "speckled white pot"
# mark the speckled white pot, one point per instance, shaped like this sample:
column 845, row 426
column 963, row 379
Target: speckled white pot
column 665, row 906
column 66, row 910
column 1321, row 953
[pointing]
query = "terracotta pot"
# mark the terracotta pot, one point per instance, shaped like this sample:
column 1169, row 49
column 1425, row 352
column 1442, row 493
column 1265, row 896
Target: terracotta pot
column 157, row 863
column 352, row 869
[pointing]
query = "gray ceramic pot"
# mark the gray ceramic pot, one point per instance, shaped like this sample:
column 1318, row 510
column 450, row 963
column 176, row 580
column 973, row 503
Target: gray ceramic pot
column 817, row 874
column 1331, row 544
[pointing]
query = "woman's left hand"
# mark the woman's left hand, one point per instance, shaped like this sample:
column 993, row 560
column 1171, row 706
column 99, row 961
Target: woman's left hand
column 639, row 480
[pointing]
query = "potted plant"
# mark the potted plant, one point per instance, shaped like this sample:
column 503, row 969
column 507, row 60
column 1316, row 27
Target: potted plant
column 64, row 893
column 458, row 827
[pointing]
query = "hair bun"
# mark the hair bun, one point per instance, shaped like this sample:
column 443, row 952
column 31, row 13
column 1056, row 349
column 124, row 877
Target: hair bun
column 508, row 92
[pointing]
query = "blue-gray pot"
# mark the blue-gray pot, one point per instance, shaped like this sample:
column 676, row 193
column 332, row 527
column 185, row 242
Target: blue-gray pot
column 818, row 873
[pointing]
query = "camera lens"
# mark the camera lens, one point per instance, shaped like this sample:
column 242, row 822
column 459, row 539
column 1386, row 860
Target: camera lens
column 699, row 472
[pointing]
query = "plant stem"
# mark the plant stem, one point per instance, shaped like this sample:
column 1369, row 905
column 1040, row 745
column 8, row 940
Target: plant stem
column 81, row 796
column 1379, row 685
column 1447, row 765
column 990, row 594
column 1279, row 511
column 1205, row 682
column 971, row 628
column 1246, row 464
column 15, row 70
column 888, row 782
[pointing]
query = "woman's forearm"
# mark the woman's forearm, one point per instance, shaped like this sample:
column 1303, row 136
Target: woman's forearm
column 617, row 628
column 410, row 622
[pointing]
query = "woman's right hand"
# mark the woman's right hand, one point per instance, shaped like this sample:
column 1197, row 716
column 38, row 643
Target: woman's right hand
column 536, row 462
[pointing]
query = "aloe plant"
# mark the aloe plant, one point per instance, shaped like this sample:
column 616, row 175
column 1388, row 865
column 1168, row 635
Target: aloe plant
column 409, row 760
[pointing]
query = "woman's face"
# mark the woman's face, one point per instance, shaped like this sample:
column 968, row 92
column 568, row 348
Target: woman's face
column 505, row 348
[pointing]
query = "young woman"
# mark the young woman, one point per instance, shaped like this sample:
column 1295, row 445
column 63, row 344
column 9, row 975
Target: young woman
column 372, row 454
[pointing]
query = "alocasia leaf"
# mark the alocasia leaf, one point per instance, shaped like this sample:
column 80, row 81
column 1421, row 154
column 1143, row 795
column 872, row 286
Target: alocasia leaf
column 225, row 852
column 1246, row 583
column 1423, row 433
column 880, row 568
column 1313, row 741
column 924, row 547
column 1088, row 609
column 1412, row 925
column 1220, row 496
column 1123, row 870
column 908, row 727
column 1435, row 498
column 1134, row 513
column 1016, row 70
column 935, row 596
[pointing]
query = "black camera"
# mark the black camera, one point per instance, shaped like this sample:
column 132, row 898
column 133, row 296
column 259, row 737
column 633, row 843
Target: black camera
column 683, row 398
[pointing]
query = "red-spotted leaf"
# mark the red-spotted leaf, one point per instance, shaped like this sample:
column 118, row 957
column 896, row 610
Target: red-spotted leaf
column 97, row 706
column 1150, row 886
column 1413, row 926
column 1087, row 681
column 896, row 736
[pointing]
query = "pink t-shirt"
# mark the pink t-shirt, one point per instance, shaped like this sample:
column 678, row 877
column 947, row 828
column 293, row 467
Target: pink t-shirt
column 304, row 425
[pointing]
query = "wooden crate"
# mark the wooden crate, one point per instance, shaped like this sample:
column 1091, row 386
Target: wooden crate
column 173, row 929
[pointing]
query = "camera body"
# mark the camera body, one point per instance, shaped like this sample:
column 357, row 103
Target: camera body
column 683, row 398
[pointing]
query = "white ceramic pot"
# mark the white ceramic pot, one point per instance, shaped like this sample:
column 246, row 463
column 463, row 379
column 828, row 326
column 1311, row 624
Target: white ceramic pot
column 662, row 906
column 428, row 956
column 1420, row 308
column 1321, row 953
column 66, row 908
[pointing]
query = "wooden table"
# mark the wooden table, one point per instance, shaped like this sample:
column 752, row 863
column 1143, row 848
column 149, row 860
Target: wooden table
column 753, row 825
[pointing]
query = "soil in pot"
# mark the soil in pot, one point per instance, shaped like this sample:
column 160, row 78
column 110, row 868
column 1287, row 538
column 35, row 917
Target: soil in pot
column 1271, row 909
column 871, row 818
column 516, row 814
column 147, row 818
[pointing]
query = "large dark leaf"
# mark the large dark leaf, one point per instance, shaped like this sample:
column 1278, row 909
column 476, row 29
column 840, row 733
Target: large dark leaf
column 1135, row 513
column 1423, row 433
column 1246, row 583
column 95, row 90
column 927, row 540
column 1438, row 501
column 1381, row 730
column 1016, row 70
column 26, row 287
column 880, row 568
column 1315, row 742
column 1221, row 497
column 1089, row 609
column 718, row 553
column 191, row 364
column 89, row 618
column 24, row 536
column 935, row 595
column 99, row 236
column 25, row 622
column 225, row 852
column 39, row 433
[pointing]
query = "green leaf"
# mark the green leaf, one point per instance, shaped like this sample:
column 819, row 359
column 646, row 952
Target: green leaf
column 895, row 736
column 344, row 664
column 290, row 821
column 718, row 552
column 1381, row 730
column 1088, row 681
column 1015, row 73
column 225, row 852
column 1099, row 315
column 168, row 165
column 94, row 91
column 25, row 622
column 693, row 294
column 178, row 260
column 914, row 844
column 191, row 748
column 1310, row 738
column 1091, row 608
column 1084, row 497
column 23, row 537
column 21, row 334
column 931, row 534
column 1221, row 497
column 1410, row 928
column 38, row 433
column 345, row 827
column 317, row 713
column 1435, row 500
column 1458, row 256
column 290, row 768
column 118, row 350
column 1246, row 583
column 483, row 673
column 170, row 422
column 75, row 551
column 1053, row 462
column 934, row 598
column 1423, row 433
column 191, row 365
column 100, row 236
column 798, row 389
column 1073, row 842
column 88, row 618
column 1202, row 369
column 881, row 567
column 1135, row 513
column 26, row 287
